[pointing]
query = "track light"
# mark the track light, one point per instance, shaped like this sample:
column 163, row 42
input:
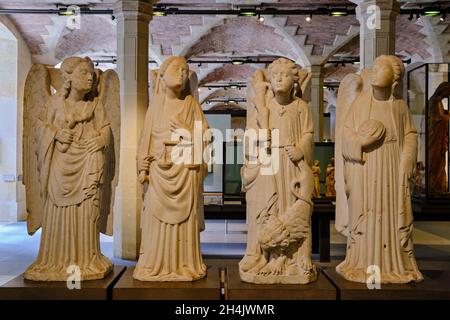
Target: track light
column 260, row 18
column 443, row 17
column 247, row 12
column 338, row 12
column 432, row 12
column 63, row 11
column 418, row 16
column 159, row 13
column 309, row 18
column 411, row 16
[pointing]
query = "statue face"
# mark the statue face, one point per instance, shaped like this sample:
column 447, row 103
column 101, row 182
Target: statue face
column 382, row 74
column 281, row 79
column 176, row 75
column 82, row 77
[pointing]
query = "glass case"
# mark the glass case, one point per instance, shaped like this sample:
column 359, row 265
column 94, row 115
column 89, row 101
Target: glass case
column 428, row 91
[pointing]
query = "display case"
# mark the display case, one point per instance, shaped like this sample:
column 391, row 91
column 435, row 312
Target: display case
column 428, row 91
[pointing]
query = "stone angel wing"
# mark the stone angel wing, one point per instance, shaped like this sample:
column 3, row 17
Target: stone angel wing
column 107, row 88
column 349, row 89
column 304, row 85
column 37, row 96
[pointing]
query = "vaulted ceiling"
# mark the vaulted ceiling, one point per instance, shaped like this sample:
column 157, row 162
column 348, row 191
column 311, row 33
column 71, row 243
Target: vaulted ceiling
column 200, row 37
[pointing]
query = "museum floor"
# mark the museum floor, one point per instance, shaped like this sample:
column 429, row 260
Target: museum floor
column 223, row 238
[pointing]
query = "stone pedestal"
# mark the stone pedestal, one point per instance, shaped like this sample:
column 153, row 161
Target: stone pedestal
column 235, row 289
column 21, row 289
column 435, row 285
column 128, row 288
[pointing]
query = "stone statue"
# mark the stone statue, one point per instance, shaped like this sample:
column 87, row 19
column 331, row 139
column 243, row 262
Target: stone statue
column 378, row 147
column 172, row 213
column 278, row 191
column 316, row 176
column 70, row 158
column 419, row 179
column 438, row 122
column 329, row 181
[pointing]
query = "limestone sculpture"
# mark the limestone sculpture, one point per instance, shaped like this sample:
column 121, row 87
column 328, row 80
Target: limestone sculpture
column 329, row 181
column 279, row 203
column 316, row 178
column 438, row 133
column 172, row 213
column 70, row 166
column 377, row 149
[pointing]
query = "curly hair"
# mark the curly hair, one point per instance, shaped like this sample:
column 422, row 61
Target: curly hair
column 398, row 69
column 286, row 63
column 67, row 68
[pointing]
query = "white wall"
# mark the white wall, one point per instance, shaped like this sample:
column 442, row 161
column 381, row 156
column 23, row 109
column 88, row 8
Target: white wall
column 15, row 63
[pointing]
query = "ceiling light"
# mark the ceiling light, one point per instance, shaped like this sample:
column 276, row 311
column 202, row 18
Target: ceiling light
column 338, row 12
column 443, row 17
column 309, row 18
column 67, row 11
column 431, row 12
column 233, row 86
column 247, row 12
column 237, row 62
column 260, row 18
column 159, row 13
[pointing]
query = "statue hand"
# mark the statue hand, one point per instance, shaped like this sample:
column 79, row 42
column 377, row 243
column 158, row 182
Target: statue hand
column 294, row 153
column 96, row 144
column 145, row 164
column 143, row 177
column 370, row 132
column 407, row 167
column 64, row 136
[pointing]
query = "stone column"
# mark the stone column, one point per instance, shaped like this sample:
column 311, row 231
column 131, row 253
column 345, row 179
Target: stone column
column 377, row 20
column 133, row 18
column 317, row 77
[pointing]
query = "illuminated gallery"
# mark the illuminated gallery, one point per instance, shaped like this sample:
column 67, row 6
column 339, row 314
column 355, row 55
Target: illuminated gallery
column 224, row 150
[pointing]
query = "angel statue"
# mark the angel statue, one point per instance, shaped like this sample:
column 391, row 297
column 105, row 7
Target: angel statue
column 279, row 204
column 172, row 213
column 376, row 149
column 70, row 158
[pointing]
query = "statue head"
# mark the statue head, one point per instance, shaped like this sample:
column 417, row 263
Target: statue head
column 173, row 74
column 77, row 74
column 387, row 71
column 283, row 77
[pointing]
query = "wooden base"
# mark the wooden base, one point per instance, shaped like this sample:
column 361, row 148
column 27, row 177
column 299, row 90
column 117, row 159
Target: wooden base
column 435, row 286
column 128, row 288
column 22, row 289
column 431, row 209
column 235, row 289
